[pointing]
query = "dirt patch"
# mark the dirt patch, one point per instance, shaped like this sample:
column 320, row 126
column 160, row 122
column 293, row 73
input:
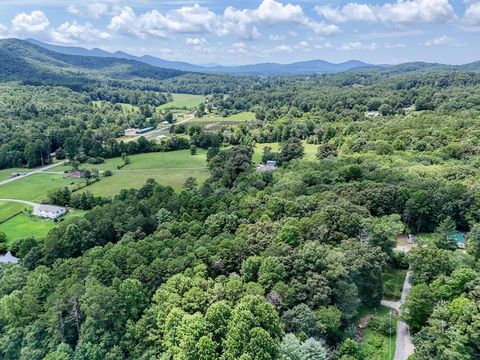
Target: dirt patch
column 362, row 324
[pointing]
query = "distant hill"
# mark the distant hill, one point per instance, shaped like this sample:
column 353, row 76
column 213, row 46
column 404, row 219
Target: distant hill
column 21, row 60
column 263, row 69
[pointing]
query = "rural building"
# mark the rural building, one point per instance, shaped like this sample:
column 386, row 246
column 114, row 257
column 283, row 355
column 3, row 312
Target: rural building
column 131, row 132
column 410, row 239
column 458, row 238
column 161, row 136
column 373, row 113
column 49, row 211
column 269, row 166
column 144, row 130
column 75, row 175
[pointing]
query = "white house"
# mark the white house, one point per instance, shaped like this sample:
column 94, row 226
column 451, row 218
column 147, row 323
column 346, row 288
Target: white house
column 49, row 211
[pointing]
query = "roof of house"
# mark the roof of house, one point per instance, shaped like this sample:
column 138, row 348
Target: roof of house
column 457, row 237
column 50, row 208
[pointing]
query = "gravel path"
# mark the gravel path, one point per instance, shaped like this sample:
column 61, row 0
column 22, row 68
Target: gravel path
column 404, row 347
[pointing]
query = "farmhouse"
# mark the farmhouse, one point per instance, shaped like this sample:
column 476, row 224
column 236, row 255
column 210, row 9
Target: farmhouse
column 269, row 166
column 49, row 211
column 144, row 130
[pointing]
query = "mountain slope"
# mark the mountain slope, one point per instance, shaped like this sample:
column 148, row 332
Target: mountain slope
column 23, row 61
column 264, row 69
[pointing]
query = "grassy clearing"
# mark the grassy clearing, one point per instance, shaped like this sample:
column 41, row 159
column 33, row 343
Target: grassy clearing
column 9, row 209
column 393, row 283
column 376, row 345
column 128, row 179
column 109, row 164
column 34, row 187
column 25, row 225
column 167, row 168
column 243, row 116
column 183, row 101
column 426, row 238
column 310, row 151
column 5, row 173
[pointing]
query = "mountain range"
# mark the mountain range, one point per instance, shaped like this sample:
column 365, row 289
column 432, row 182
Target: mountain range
column 21, row 60
column 262, row 69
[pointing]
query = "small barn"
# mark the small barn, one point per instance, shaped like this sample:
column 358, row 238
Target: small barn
column 49, row 211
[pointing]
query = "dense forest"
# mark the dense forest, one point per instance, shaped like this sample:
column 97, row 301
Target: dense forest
column 250, row 265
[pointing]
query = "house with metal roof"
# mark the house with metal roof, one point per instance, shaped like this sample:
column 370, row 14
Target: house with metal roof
column 49, row 211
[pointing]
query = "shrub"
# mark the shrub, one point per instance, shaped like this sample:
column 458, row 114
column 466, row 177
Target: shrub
column 383, row 325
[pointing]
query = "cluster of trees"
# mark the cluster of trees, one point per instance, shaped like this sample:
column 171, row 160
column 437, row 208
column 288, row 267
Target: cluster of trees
column 250, row 271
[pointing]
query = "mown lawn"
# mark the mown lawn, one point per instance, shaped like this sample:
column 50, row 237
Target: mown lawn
column 5, row 173
column 34, row 187
column 243, row 116
column 393, row 280
column 25, row 225
column 128, row 179
column 9, row 209
column 183, row 101
column 167, row 168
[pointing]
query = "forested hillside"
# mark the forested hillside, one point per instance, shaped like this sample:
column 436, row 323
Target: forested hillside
column 285, row 264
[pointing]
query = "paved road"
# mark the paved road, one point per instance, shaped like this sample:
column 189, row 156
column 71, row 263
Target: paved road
column 36, row 171
column 404, row 347
column 29, row 203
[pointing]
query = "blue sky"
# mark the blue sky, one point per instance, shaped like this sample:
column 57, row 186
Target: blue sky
column 241, row 32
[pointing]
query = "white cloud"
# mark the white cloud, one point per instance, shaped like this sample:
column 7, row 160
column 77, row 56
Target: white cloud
column 276, row 37
column 197, row 19
column 196, row 41
column 357, row 46
column 71, row 33
column 401, row 11
column 240, row 48
column 472, row 13
column 94, row 10
column 186, row 20
column 199, row 44
column 34, row 22
column 395, row 46
column 283, row 48
column 3, row 31
column 270, row 13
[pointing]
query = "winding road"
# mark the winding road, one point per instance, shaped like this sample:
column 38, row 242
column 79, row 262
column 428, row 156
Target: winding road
column 404, row 347
column 33, row 172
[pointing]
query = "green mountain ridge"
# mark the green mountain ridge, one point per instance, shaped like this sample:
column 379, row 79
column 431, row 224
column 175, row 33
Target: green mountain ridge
column 23, row 61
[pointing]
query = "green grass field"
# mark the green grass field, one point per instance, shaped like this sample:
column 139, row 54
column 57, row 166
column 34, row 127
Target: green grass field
column 393, row 283
column 129, row 179
column 243, row 116
column 183, row 101
column 5, row 173
column 25, row 225
column 310, row 151
column 34, row 187
column 167, row 168
column 9, row 209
